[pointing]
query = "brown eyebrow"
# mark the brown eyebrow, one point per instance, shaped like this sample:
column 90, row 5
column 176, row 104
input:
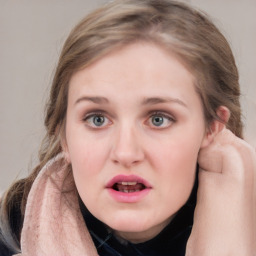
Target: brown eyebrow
column 96, row 100
column 158, row 100
column 146, row 101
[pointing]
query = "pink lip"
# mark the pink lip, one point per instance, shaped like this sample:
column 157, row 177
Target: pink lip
column 132, row 197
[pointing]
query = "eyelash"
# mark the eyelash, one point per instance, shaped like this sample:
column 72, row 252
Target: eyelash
column 148, row 121
column 94, row 114
column 162, row 114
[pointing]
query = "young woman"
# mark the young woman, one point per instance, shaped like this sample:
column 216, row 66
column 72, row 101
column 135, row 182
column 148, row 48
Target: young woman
column 143, row 153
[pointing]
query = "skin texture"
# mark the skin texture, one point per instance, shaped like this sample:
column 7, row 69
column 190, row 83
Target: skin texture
column 128, row 141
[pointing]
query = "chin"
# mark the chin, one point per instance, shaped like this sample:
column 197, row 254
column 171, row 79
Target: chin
column 128, row 223
column 129, row 226
column 137, row 231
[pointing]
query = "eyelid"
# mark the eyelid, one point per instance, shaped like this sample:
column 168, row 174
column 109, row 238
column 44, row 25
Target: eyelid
column 164, row 114
column 161, row 113
column 93, row 113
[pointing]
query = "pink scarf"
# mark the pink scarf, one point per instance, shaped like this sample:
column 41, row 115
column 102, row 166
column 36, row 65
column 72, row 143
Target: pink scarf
column 53, row 224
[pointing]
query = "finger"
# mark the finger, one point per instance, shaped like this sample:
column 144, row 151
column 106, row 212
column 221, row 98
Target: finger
column 229, row 155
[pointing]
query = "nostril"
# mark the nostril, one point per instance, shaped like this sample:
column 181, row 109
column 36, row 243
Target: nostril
column 126, row 161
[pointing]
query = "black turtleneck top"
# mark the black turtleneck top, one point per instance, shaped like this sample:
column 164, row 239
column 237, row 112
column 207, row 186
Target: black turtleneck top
column 170, row 242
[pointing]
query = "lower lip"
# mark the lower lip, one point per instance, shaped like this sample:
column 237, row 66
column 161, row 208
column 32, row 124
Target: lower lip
column 132, row 197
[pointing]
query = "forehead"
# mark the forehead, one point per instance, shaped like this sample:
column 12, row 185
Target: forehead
column 140, row 68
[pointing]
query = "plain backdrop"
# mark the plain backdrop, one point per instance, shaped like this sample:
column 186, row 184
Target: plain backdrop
column 31, row 35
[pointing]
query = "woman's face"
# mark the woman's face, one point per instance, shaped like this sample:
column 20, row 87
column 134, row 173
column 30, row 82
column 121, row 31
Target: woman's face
column 134, row 128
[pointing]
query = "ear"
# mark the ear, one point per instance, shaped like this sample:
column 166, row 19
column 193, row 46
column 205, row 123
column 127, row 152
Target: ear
column 65, row 150
column 216, row 126
column 63, row 142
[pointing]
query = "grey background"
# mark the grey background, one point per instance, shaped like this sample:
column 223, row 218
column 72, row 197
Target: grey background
column 31, row 35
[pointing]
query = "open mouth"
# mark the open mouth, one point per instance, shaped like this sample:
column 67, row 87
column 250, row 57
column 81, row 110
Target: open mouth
column 128, row 186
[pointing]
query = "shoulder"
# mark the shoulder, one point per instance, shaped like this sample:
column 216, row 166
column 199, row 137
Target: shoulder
column 4, row 251
column 12, row 210
column 11, row 230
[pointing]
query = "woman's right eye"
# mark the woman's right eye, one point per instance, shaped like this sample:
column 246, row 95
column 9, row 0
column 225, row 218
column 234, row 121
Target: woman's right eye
column 96, row 120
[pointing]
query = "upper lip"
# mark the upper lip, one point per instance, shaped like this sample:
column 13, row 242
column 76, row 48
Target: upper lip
column 128, row 178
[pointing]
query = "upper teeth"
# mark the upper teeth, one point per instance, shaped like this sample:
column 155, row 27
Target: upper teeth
column 125, row 183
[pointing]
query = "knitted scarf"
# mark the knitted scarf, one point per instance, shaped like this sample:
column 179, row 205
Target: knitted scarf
column 53, row 223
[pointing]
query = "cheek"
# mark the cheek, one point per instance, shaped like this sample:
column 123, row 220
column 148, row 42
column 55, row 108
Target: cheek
column 178, row 179
column 176, row 165
column 177, row 155
column 85, row 151
column 179, row 166
column 87, row 159
column 87, row 162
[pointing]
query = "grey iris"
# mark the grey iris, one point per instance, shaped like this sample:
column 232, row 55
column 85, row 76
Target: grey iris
column 157, row 120
column 98, row 120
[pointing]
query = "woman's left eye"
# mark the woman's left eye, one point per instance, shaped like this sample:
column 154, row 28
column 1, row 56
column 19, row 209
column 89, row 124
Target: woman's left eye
column 159, row 120
column 96, row 120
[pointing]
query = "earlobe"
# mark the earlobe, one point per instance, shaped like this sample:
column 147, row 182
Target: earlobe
column 63, row 143
column 216, row 126
column 65, row 150
column 67, row 158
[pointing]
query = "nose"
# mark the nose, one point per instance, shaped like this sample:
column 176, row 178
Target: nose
column 127, row 149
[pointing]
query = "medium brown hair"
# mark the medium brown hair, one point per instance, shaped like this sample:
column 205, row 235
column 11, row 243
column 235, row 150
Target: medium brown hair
column 184, row 31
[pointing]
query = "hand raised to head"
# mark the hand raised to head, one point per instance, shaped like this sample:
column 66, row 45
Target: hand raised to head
column 224, row 221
